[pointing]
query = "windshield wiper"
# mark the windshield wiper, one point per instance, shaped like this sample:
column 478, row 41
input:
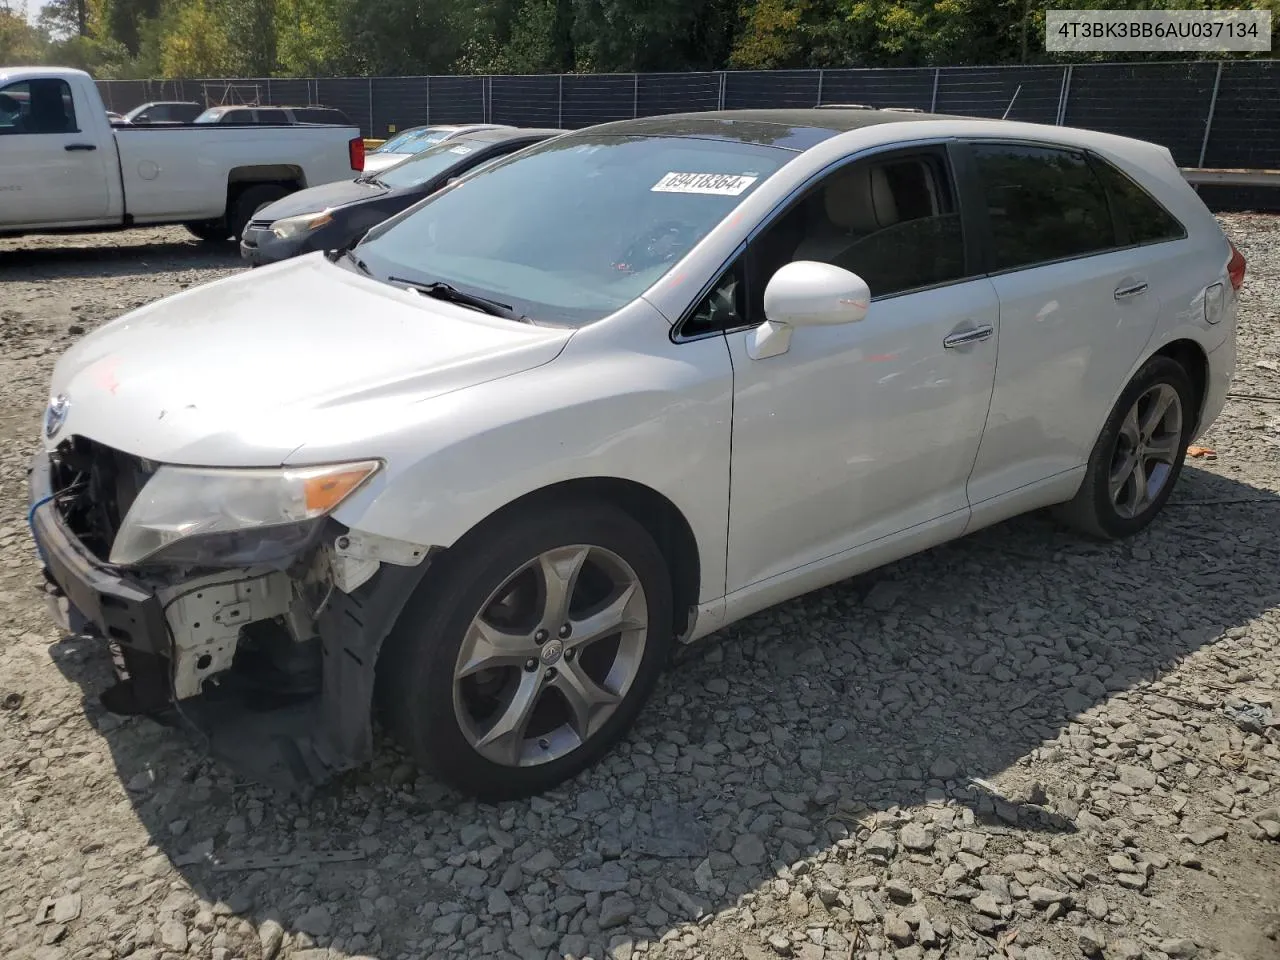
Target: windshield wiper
column 447, row 292
column 350, row 256
column 373, row 180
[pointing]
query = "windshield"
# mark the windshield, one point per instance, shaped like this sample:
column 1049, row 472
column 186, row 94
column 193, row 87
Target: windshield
column 411, row 141
column 430, row 163
column 209, row 116
column 574, row 228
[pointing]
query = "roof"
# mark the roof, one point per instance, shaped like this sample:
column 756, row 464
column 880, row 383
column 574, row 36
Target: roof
column 793, row 129
column 499, row 134
column 58, row 73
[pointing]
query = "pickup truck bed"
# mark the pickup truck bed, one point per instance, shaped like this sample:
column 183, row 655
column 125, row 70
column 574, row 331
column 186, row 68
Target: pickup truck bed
column 65, row 167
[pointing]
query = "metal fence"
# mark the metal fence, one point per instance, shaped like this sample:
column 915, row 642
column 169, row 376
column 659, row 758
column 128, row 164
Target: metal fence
column 1209, row 113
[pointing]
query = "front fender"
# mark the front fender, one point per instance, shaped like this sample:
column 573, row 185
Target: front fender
column 648, row 411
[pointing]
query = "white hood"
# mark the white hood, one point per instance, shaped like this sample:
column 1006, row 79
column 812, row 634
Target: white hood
column 245, row 370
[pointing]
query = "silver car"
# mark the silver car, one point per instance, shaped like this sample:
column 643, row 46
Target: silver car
column 416, row 139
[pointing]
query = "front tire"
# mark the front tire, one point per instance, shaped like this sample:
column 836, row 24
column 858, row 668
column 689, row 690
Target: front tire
column 1138, row 457
column 248, row 202
column 530, row 651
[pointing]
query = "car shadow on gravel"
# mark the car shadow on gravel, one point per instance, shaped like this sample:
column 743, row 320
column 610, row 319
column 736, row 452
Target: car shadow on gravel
column 941, row 681
column 105, row 259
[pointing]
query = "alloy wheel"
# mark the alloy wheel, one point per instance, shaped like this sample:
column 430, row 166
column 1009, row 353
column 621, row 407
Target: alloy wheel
column 1146, row 450
column 550, row 656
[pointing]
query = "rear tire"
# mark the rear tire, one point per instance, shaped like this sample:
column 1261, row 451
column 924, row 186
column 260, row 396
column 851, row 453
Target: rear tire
column 503, row 691
column 1138, row 457
column 247, row 203
column 210, row 231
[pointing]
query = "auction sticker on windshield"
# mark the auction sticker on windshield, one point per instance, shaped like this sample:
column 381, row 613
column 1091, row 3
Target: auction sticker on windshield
column 720, row 184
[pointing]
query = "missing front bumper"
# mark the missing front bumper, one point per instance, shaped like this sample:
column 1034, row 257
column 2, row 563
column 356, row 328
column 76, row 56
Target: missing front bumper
column 178, row 646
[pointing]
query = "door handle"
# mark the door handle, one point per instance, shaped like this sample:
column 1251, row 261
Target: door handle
column 965, row 337
column 81, row 146
column 1125, row 291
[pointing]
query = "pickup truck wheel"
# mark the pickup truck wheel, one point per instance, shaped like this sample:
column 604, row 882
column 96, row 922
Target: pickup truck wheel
column 210, row 231
column 247, row 203
column 1138, row 456
column 530, row 652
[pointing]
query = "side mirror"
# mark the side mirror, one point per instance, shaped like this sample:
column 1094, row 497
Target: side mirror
column 806, row 293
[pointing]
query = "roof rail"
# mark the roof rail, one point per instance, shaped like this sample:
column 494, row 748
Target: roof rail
column 902, row 109
column 844, row 106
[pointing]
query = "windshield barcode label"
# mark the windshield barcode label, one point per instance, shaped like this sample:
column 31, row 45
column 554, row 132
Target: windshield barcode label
column 720, row 184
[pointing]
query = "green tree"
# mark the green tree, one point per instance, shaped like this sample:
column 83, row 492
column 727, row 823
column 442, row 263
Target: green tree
column 20, row 42
column 251, row 30
column 195, row 42
column 399, row 36
column 128, row 20
column 624, row 35
column 65, row 18
column 772, row 36
column 309, row 37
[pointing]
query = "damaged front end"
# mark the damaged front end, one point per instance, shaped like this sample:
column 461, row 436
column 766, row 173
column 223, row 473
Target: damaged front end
column 263, row 636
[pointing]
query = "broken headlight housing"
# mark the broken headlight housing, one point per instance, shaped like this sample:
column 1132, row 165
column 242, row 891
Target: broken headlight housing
column 232, row 516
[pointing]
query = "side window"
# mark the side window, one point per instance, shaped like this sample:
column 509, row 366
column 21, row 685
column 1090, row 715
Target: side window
column 1044, row 204
column 724, row 308
column 271, row 116
column 37, row 106
column 1141, row 216
column 322, row 115
column 891, row 220
column 237, row 116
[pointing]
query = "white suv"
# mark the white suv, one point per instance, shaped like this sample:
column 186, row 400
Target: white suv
column 611, row 394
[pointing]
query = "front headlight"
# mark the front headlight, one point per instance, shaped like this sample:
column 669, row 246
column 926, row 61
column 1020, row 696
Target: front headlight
column 249, row 515
column 291, row 227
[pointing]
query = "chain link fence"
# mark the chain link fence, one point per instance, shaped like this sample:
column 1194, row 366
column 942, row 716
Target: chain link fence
column 1208, row 113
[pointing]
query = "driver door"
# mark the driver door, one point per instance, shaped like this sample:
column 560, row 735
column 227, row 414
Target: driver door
column 862, row 432
column 51, row 172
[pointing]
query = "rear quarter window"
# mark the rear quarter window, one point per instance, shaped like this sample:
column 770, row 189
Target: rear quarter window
column 1141, row 217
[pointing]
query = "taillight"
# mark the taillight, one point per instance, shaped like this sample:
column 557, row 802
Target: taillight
column 355, row 149
column 1235, row 267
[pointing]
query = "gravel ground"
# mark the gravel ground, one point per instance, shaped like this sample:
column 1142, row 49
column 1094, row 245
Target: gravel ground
column 1022, row 745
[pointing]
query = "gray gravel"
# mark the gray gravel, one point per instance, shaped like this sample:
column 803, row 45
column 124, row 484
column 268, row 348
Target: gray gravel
column 1023, row 745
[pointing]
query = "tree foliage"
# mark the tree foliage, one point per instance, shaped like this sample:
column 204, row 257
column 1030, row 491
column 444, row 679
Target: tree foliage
column 261, row 38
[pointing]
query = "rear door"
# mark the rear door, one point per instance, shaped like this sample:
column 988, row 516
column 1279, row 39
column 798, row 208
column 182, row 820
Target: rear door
column 51, row 172
column 1077, row 306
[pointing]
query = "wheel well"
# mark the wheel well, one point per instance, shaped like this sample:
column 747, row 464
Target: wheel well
column 285, row 174
column 1191, row 357
column 658, row 515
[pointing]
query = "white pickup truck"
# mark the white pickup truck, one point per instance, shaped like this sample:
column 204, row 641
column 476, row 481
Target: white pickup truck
column 64, row 167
